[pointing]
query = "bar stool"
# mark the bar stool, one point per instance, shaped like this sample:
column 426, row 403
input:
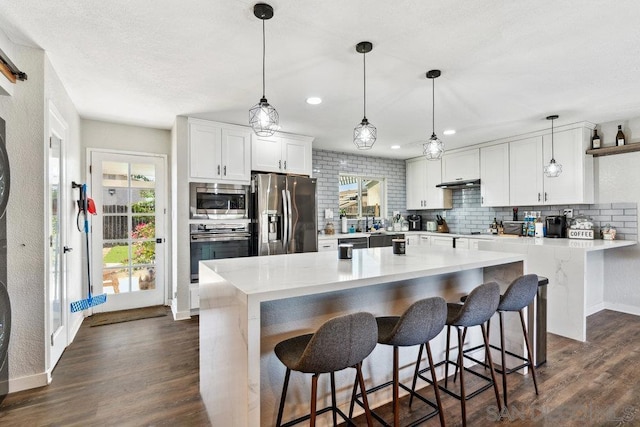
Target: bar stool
column 418, row 325
column 518, row 295
column 480, row 305
column 340, row 343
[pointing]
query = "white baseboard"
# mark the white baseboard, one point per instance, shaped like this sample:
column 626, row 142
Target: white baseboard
column 594, row 309
column 179, row 315
column 622, row 308
column 74, row 328
column 28, row 382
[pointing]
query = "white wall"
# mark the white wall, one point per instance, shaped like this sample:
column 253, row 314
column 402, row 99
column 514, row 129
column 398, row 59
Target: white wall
column 618, row 180
column 25, row 113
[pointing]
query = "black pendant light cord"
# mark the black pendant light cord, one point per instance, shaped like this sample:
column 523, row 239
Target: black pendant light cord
column 433, row 107
column 264, row 48
column 553, row 157
column 364, row 62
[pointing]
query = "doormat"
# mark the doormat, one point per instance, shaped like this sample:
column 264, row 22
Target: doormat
column 101, row 319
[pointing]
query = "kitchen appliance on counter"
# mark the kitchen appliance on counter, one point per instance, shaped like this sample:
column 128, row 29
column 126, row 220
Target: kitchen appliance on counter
column 218, row 241
column 432, row 226
column 556, row 226
column 512, row 227
column 218, row 201
column 415, row 222
column 284, row 214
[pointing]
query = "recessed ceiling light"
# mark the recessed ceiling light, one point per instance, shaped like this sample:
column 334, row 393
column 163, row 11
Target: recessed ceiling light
column 449, row 132
column 395, row 147
column 314, row 100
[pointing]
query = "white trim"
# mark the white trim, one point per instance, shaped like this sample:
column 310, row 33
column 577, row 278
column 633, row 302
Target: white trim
column 74, row 328
column 179, row 315
column 28, row 382
column 622, row 308
column 595, row 308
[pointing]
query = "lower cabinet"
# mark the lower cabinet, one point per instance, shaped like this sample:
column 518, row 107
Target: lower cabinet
column 327, row 245
column 442, row 241
column 413, row 240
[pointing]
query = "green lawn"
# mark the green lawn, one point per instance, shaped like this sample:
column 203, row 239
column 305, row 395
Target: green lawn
column 117, row 255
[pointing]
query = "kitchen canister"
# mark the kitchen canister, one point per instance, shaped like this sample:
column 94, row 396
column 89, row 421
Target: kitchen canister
column 399, row 246
column 345, row 251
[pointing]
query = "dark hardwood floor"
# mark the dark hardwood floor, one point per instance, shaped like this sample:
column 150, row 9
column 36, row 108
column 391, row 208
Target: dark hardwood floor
column 145, row 373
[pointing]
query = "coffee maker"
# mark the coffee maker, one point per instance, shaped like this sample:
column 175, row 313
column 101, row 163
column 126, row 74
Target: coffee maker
column 556, row 226
column 415, row 222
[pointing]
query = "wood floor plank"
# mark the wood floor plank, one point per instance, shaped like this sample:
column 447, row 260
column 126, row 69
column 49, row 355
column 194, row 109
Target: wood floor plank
column 145, row 373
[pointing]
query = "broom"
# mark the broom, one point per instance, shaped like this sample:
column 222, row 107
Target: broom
column 90, row 301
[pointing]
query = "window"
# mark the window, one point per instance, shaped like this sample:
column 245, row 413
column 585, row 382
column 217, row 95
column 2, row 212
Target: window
column 360, row 196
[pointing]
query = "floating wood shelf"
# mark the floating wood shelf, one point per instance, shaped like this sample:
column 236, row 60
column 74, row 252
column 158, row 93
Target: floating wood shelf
column 607, row 151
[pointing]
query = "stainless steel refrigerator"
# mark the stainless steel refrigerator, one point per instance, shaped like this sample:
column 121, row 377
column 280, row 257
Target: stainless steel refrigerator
column 284, row 214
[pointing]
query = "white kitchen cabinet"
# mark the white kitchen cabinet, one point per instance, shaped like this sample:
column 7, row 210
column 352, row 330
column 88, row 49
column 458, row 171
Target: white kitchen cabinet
column 412, row 240
column 494, row 175
column 282, row 153
column 462, row 243
column 425, row 240
column 219, row 152
column 422, row 176
column 442, row 241
column 461, row 166
column 474, row 244
column 327, row 245
column 527, row 158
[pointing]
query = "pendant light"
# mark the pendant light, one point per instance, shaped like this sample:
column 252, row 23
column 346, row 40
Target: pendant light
column 365, row 134
column 434, row 148
column 263, row 117
column 553, row 169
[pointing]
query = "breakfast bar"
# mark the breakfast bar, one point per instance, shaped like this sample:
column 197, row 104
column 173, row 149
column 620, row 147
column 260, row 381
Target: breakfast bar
column 248, row 305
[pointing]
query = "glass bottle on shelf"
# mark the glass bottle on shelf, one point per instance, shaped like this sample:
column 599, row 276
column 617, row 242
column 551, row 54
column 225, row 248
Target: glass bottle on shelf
column 595, row 140
column 620, row 140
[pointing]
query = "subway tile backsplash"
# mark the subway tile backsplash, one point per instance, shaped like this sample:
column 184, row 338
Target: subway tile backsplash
column 327, row 165
column 468, row 216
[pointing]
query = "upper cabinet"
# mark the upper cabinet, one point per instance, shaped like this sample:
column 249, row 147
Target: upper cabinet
column 494, row 175
column 219, row 152
column 461, row 165
column 282, row 153
column 529, row 185
column 422, row 176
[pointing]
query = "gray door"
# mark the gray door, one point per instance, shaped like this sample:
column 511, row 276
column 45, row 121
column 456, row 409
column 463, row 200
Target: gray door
column 270, row 215
column 302, row 201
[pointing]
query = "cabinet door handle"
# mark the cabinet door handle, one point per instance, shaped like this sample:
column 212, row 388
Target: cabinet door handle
column 482, row 200
column 225, row 170
column 279, row 164
column 538, row 196
column 285, row 165
column 545, row 196
column 218, row 169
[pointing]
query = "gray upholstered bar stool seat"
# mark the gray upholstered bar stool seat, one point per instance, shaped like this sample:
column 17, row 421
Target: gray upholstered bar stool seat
column 480, row 305
column 418, row 325
column 340, row 343
column 520, row 294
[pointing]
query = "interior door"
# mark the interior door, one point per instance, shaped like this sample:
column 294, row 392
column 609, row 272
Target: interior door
column 57, row 302
column 128, row 249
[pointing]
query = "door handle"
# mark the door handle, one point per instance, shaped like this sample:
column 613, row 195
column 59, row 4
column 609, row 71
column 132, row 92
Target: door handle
column 545, row 196
column 279, row 164
column 218, row 169
column 159, row 240
column 225, row 170
column 538, row 196
column 66, row 249
column 285, row 165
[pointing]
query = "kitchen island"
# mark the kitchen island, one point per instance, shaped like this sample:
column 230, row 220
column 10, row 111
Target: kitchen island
column 248, row 305
column 575, row 269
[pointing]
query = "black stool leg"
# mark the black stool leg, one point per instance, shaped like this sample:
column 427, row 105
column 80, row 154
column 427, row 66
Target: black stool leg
column 365, row 401
column 502, row 354
column 493, row 373
column 455, row 373
column 396, row 398
column 415, row 375
column 526, row 341
column 463, row 397
column 446, row 357
column 314, row 397
column 333, row 400
column 354, row 392
column 435, row 385
column 283, row 397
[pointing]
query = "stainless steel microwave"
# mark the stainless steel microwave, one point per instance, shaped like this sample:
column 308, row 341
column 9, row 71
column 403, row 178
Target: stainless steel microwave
column 218, row 201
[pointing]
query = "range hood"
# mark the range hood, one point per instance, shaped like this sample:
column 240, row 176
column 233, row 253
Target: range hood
column 460, row 184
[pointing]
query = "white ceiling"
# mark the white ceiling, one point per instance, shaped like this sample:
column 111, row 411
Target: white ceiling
column 505, row 64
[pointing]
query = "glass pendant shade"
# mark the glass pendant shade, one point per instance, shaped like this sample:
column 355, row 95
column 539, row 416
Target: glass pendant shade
column 553, row 169
column 263, row 118
column 364, row 135
column 433, row 149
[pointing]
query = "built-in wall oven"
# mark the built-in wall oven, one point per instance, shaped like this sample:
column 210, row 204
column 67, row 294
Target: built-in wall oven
column 218, row 201
column 218, row 241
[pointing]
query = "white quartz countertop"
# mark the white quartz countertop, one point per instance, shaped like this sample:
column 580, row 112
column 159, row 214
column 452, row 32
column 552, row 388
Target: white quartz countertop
column 406, row 233
column 586, row 245
column 285, row 276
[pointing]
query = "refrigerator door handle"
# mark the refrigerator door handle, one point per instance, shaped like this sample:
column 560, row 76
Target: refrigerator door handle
column 289, row 217
column 285, row 226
